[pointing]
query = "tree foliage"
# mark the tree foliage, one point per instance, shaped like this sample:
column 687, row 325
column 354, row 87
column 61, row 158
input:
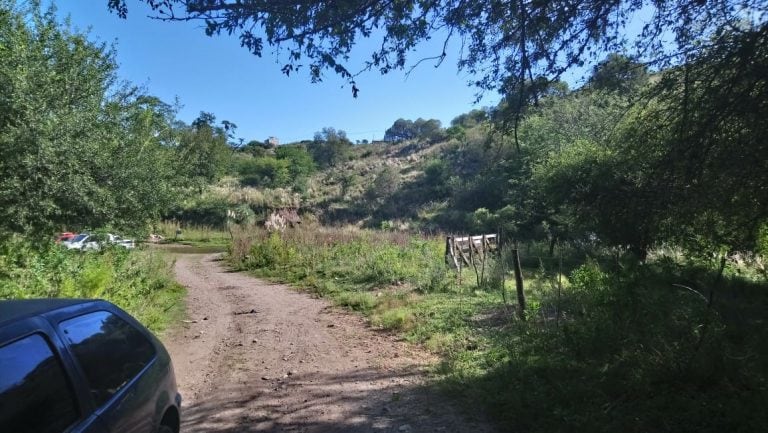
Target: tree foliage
column 265, row 172
column 75, row 148
column 300, row 162
column 618, row 73
column 421, row 129
column 471, row 119
column 685, row 167
column 506, row 43
column 290, row 165
column 330, row 147
column 203, row 152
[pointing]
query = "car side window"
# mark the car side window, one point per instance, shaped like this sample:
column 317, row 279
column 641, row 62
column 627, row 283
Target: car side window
column 110, row 351
column 35, row 393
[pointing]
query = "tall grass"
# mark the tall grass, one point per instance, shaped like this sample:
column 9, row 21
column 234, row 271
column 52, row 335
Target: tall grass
column 348, row 257
column 140, row 281
column 192, row 233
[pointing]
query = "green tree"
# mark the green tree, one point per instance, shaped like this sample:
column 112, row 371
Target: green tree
column 255, row 148
column 682, row 167
column 267, row 172
column 428, row 130
column 203, row 152
column 75, row 150
column 386, row 182
column 401, row 130
column 703, row 147
column 330, row 147
column 618, row 73
column 471, row 119
column 300, row 162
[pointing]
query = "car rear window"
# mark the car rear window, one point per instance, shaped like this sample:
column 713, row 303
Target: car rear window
column 35, row 394
column 109, row 350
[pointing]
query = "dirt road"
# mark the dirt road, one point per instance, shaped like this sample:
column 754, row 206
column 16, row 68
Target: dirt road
column 259, row 357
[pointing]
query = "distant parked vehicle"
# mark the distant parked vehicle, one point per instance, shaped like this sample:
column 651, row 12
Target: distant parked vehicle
column 95, row 241
column 65, row 236
column 117, row 240
column 82, row 242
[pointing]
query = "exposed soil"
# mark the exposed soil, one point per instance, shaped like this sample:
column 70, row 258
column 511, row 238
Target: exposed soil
column 259, row 357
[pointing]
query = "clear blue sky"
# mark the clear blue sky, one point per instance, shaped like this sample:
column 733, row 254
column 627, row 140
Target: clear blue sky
column 215, row 74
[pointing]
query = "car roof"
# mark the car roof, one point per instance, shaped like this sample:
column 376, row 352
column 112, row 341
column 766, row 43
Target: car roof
column 18, row 309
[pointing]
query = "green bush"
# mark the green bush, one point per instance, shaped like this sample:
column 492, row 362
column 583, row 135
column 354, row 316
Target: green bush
column 272, row 253
column 265, row 172
column 300, row 162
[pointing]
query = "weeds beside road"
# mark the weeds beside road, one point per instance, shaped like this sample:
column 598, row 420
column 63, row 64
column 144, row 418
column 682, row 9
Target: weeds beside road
column 139, row 281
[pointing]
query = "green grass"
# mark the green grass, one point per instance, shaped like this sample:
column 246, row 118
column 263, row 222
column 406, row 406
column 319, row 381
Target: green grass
column 139, row 281
column 195, row 235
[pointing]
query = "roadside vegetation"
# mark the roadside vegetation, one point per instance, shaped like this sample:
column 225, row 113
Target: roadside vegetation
column 141, row 282
column 607, row 345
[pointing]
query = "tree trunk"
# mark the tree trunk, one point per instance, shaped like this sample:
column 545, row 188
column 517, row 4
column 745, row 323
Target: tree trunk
column 518, row 280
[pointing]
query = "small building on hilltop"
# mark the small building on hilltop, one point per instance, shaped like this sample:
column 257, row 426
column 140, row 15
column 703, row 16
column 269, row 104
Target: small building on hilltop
column 272, row 142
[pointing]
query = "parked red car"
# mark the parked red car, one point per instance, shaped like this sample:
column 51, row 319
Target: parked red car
column 65, row 236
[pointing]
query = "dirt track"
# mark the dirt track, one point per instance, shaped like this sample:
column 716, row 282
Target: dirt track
column 259, row 357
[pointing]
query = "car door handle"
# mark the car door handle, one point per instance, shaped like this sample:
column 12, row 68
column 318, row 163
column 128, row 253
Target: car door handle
column 124, row 398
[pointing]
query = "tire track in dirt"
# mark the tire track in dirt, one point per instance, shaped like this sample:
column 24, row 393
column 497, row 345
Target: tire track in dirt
column 260, row 357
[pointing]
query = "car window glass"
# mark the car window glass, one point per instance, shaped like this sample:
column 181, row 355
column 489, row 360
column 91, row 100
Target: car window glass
column 110, row 351
column 35, row 395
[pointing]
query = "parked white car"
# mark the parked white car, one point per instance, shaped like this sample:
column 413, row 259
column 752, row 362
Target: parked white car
column 117, row 240
column 94, row 242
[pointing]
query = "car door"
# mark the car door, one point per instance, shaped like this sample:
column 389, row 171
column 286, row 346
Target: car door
column 116, row 360
column 37, row 394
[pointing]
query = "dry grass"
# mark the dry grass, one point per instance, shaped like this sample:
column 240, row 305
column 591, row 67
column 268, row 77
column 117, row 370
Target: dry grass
column 256, row 197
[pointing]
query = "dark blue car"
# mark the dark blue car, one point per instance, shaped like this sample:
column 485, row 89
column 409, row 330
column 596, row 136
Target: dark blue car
column 82, row 366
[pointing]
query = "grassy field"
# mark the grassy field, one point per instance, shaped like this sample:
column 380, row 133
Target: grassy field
column 612, row 345
column 206, row 238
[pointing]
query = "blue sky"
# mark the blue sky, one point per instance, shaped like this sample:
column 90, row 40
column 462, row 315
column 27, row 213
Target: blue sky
column 215, row 74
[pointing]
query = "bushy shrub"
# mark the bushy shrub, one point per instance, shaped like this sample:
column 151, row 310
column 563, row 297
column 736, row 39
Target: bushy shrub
column 272, row 252
column 265, row 172
column 300, row 162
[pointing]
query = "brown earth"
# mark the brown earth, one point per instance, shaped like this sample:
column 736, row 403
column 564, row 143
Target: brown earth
column 259, row 357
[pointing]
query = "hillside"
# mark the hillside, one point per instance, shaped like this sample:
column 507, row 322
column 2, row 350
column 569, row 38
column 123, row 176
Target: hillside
column 375, row 184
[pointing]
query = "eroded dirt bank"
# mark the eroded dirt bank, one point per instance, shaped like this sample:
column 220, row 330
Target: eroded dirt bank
column 259, row 357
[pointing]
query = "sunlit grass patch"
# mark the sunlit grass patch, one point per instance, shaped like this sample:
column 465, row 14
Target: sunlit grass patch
column 359, row 301
column 400, row 319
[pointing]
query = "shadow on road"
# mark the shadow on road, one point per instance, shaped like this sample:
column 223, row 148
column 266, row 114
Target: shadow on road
column 367, row 400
